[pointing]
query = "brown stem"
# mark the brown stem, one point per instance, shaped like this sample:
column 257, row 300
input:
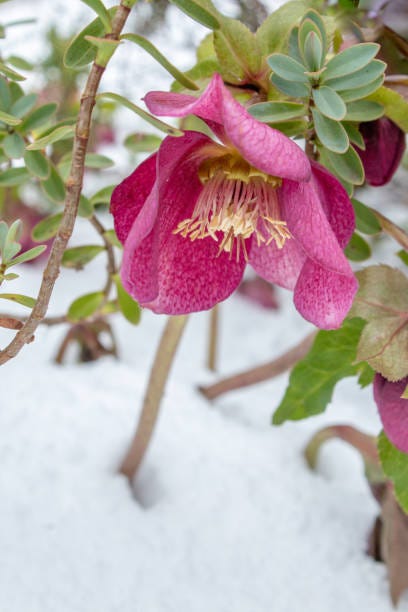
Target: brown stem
column 73, row 192
column 213, row 338
column 260, row 373
column 111, row 264
column 390, row 228
column 154, row 393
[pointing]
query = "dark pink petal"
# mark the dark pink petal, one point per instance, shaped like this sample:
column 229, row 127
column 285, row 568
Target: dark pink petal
column 279, row 266
column 385, row 145
column 308, row 224
column 393, row 409
column 129, row 196
column 336, row 204
column 262, row 146
column 162, row 270
column 260, row 292
column 324, row 297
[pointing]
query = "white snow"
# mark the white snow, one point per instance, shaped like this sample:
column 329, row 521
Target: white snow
column 227, row 517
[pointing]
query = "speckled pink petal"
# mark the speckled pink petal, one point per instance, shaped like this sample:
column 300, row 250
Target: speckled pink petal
column 393, row 410
column 335, row 203
column 279, row 266
column 307, row 222
column 130, row 195
column 262, row 146
column 162, row 270
column 324, row 297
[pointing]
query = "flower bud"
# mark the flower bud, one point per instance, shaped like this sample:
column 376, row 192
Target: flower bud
column 385, row 146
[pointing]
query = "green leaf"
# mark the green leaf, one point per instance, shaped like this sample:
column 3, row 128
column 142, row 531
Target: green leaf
column 3, row 234
column 46, row 228
column 9, row 119
column 23, row 105
column 11, row 74
column 366, row 221
column 329, row 103
column 60, row 133
column 128, row 306
column 13, row 177
column 80, row 51
column 97, row 161
column 237, row 52
column 24, row 300
column 105, row 48
column 396, row 107
column 198, row 13
column 103, row 196
column 293, row 45
column 85, row 207
column 5, row 97
column 54, row 186
column 313, row 379
column 295, row 90
column 27, row 256
column 78, row 257
column 142, row 143
column 314, row 16
column 306, row 28
column 403, row 255
column 37, row 164
column 38, row 117
column 274, row 112
column 382, row 300
column 288, row 68
column 358, row 79
column 102, row 13
column 395, row 465
column 161, row 59
column 330, row 133
column 357, row 249
column 354, row 134
column 350, row 60
column 19, row 62
column 313, row 51
column 85, row 306
column 13, row 146
column 164, row 127
column 364, row 110
column 347, row 166
column 349, row 95
column 273, row 34
column 111, row 236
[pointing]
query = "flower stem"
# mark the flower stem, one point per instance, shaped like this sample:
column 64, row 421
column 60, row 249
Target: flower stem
column 260, row 373
column 73, row 192
column 213, row 338
column 390, row 228
column 154, row 392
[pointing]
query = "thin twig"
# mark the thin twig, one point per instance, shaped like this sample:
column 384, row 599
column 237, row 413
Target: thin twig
column 73, row 192
column 391, row 228
column 111, row 265
column 153, row 396
column 262, row 372
column 213, row 338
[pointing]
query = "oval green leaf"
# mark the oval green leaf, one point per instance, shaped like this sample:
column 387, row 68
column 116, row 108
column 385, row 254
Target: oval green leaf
column 38, row 117
column 85, row 306
column 9, row 119
column 274, row 112
column 46, row 228
column 128, row 306
column 288, row 68
column 54, row 186
column 364, row 110
column 357, row 249
column 347, row 165
column 198, row 13
column 37, row 164
column 329, row 103
column 78, row 257
column 350, row 60
column 295, row 90
column 357, row 79
column 13, row 146
column 60, row 133
column 18, row 298
column 13, row 177
column 80, row 51
column 330, row 133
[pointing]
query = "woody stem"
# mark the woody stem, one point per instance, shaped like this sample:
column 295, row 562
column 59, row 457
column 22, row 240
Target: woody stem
column 213, row 338
column 154, row 392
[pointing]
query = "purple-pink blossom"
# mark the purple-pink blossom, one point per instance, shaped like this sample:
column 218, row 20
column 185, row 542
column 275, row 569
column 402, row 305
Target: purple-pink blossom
column 194, row 214
column 384, row 148
column 393, row 409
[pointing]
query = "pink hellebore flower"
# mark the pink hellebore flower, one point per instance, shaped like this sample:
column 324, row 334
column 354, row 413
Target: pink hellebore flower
column 196, row 212
column 393, row 409
column 385, row 146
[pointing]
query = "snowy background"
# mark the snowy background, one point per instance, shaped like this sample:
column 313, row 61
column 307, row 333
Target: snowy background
column 227, row 517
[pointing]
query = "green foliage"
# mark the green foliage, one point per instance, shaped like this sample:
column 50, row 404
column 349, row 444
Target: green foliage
column 85, row 306
column 357, row 249
column 382, row 300
column 313, row 379
column 46, row 228
column 18, row 298
column 395, row 465
column 81, row 51
column 142, row 143
column 275, row 112
column 395, row 106
column 78, row 257
column 366, row 221
column 127, row 305
column 196, row 11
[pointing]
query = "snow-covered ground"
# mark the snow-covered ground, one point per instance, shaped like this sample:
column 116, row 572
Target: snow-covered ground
column 227, row 517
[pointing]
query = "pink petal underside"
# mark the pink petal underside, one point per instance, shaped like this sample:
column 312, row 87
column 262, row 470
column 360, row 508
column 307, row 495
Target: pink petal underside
column 308, row 224
column 262, row 146
column 324, row 297
column 393, row 410
column 166, row 272
column 279, row 266
column 336, row 204
column 130, row 195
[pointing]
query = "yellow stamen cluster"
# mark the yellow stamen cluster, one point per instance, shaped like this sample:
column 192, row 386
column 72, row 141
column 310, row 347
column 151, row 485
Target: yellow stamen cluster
column 235, row 197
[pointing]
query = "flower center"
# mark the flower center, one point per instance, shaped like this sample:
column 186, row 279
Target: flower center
column 234, row 198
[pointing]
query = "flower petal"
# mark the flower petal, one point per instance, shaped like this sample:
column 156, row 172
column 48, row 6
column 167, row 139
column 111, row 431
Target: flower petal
column 165, row 271
column 279, row 266
column 336, row 204
column 262, row 146
column 308, row 224
column 393, row 409
column 385, row 145
column 130, row 195
column 324, row 297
